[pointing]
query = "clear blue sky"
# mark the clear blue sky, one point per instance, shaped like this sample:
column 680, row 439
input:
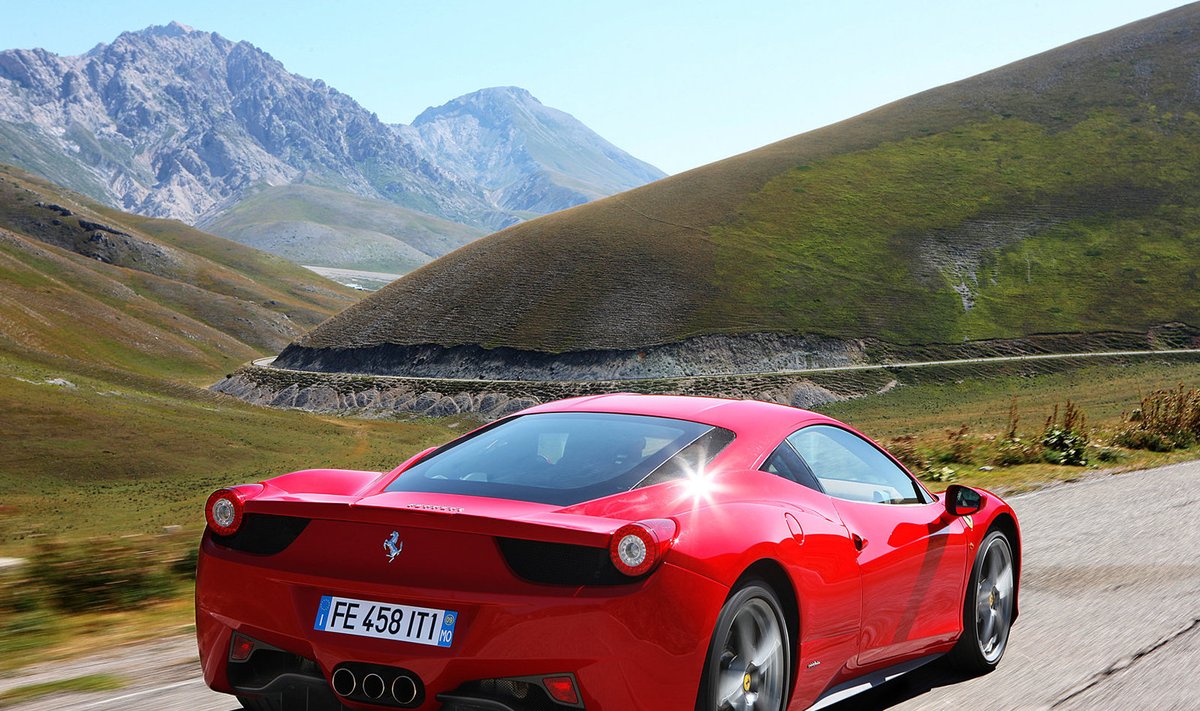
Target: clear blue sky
column 676, row 83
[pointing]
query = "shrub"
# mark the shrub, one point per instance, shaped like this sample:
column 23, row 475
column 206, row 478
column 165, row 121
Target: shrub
column 1012, row 450
column 939, row 474
column 904, row 448
column 1166, row 420
column 960, row 450
column 105, row 574
column 1015, row 451
column 1065, row 442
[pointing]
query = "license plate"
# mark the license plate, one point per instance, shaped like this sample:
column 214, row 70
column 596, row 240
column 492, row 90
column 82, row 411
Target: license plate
column 419, row 625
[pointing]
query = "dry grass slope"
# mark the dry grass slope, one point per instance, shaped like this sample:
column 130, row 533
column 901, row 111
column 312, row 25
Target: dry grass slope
column 156, row 297
column 111, row 328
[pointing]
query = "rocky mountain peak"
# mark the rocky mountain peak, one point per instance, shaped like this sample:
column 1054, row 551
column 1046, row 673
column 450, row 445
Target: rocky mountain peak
column 170, row 121
column 171, row 29
column 493, row 102
column 528, row 156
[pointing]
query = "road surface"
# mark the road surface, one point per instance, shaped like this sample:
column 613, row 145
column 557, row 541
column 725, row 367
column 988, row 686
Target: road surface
column 1110, row 617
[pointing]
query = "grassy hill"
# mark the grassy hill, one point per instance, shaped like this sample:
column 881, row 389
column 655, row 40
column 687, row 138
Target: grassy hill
column 86, row 282
column 111, row 328
column 325, row 227
column 1057, row 194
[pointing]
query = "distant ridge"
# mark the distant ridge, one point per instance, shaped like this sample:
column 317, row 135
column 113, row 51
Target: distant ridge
column 1053, row 195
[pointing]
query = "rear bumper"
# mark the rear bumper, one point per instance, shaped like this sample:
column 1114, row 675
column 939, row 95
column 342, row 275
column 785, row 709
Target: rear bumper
column 638, row 646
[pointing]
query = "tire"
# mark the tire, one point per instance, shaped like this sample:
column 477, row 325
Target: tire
column 987, row 608
column 750, row 652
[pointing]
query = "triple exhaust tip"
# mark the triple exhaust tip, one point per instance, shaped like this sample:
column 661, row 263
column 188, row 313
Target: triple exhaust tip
column 344, row 681
column 403, row 688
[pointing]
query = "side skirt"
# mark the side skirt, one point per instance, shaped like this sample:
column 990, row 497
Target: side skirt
column 860, row 684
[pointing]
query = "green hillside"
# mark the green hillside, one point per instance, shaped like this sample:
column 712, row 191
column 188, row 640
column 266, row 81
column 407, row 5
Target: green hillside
column 1058, row 194
column 112, row 326
column 98, row 286
column 324, row 227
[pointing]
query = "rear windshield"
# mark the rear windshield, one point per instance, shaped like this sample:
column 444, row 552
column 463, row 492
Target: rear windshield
column 566, row 458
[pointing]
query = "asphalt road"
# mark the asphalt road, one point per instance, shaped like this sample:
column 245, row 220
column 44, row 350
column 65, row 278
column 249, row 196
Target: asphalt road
column 1110, row 617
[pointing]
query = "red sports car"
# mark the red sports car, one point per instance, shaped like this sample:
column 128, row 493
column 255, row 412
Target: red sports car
column 607, row 553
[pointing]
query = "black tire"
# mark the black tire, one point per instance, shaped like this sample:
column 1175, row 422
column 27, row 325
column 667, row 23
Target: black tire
column 990, row 593
column 755, row 610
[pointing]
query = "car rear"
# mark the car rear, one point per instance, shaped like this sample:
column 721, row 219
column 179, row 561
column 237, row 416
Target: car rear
column 400, row 596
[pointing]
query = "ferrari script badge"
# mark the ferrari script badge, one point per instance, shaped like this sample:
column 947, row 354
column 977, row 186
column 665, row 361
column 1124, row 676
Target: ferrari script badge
column 393, row 545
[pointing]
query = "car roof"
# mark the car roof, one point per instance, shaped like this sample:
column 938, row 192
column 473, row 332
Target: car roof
column 736, row 415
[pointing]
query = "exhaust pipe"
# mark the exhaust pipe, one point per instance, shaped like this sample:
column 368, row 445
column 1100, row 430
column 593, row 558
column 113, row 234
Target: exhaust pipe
column 404, row 690
column 373, row 686
column 344, row 682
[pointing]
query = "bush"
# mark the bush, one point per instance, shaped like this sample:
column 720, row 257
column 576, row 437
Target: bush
column 1012, row 450
column 904, row 448
column 109, row 575
column 960, row 450
column 1135, row 438
column 1065, row 442
column 106, row 574
column 1166, row 420
column 939, row 474
column 1015, row 451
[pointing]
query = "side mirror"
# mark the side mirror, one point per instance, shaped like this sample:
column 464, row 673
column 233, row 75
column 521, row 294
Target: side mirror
column 963, row 500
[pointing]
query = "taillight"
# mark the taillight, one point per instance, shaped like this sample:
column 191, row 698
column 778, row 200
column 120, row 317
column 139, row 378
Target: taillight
column 637, row 548
column 226, row 508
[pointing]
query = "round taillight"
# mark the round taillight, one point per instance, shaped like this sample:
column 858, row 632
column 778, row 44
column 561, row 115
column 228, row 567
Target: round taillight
column 224, row 511
column 637, row 548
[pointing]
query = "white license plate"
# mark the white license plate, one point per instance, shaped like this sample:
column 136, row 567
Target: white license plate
column 420, row 625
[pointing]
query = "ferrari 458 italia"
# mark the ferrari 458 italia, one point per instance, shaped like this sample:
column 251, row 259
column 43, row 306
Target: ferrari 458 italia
column 610, row 553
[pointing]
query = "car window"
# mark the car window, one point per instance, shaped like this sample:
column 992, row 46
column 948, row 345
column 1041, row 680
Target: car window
column 566, row 458
column 786, row 463
column 849, row 467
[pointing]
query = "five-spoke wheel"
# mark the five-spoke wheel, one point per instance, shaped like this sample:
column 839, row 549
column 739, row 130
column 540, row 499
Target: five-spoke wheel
column 988, row 609
column 749, row 656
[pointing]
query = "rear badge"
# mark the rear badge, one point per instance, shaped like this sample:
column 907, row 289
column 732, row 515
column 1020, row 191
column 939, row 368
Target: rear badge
column 393, row 545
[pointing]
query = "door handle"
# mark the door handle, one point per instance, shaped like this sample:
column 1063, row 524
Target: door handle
column 859, row 541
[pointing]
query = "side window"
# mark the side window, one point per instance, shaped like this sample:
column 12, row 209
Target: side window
column 849, row 467
column 786, row 463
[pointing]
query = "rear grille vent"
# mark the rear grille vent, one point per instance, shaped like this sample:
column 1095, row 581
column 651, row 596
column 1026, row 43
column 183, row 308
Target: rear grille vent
column 560, row 563
column 264, row 534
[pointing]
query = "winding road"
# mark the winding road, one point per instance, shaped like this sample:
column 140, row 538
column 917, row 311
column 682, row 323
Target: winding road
column 1110, row 617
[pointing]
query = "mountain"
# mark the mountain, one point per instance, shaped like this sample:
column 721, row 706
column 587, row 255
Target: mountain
column 1055, row 195
column 88, row 287
column 172, row 122
column 179, row 123
column 529, row 158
